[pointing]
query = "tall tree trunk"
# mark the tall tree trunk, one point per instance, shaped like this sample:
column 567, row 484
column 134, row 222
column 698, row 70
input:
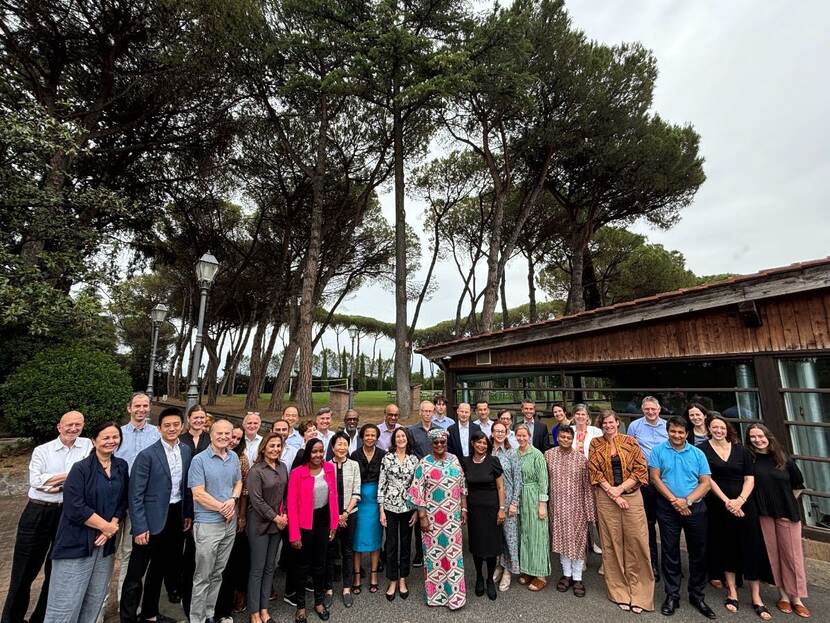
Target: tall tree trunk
column 505, row 320
column 255, row 369
column 403, row 347
column 491, row 287
column 576, row 299
column 590, row 289
column 266, row 358
column 289, row 354
column 531, row 288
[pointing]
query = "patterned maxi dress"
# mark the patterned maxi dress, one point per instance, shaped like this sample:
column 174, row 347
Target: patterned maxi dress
column 534, row 557
column 571, row 504
column 512, row 477
column 437, row 488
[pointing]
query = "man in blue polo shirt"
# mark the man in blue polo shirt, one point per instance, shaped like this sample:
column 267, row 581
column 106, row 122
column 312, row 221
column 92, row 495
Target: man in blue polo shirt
column 216, row 481
column 650, row 431
column 680, row 473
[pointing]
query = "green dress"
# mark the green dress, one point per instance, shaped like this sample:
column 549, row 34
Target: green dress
column 534, row 552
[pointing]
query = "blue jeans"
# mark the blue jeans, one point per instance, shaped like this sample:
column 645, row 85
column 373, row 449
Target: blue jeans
column 77, row 588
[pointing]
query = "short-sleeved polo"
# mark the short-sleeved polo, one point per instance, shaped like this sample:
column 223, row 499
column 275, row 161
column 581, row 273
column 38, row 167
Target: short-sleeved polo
column 218, row 475
column 680, row 470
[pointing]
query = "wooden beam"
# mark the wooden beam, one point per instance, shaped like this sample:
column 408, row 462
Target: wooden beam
column 663, row 306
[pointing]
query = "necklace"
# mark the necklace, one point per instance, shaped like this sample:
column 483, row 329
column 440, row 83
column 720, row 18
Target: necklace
column 479, row 461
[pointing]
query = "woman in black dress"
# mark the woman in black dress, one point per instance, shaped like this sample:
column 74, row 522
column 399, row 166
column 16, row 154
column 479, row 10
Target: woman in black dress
column 485, row 501
column 735, row 547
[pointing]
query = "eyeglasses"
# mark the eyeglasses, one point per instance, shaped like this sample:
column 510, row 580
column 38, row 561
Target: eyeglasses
column 439, row 442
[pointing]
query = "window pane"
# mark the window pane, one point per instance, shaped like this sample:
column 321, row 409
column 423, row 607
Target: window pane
column 816, row 511
column 805, row 373
column 807, row 407
column 811, row 441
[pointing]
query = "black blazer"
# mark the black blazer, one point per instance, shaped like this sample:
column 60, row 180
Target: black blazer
column 454, row 441
column 150, row 483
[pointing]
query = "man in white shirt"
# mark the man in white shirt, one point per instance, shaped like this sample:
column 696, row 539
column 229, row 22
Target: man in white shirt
column 388, row 426
column 483, row 412
column 48, row 468
column 250, row 424
column 136, row 435
column 289, row 453
column 324, row 431
column 294, row 439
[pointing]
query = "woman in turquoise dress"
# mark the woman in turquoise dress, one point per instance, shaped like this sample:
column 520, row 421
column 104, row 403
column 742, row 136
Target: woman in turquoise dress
column 534, row 537
column 512, row 475
column 368, row 531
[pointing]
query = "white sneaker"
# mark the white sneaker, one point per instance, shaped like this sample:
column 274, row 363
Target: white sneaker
column 497, row 573
column 505, row 581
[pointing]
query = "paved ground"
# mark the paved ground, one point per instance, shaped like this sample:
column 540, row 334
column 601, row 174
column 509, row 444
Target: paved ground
column 517, row 604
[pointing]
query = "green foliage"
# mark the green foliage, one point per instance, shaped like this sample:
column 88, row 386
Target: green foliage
column 62, row 379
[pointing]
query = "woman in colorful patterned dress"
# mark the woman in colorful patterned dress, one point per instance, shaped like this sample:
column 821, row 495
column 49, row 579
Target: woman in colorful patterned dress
column 534, row 557
column 504, row 451
column 571, row 508
column 439, row 493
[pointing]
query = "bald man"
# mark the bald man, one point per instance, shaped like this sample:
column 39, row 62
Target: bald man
column 420, row 431
column 38, row 524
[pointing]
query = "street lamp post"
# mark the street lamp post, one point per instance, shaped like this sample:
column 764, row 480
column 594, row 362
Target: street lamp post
column 206, row 269
column 157, row 315
column 353, row 335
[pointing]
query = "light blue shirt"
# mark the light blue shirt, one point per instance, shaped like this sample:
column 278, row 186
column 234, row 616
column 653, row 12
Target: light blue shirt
column 134, row 440
column 464, row 435
column 649, row 436
column 486, row 427
column 294, row 440
column 218, row 476
column 680, row 470
column 445, row 422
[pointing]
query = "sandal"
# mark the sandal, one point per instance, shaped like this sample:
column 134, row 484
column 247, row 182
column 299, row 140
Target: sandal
column 731, row 604
column 784, row 606
column 373, row 586
column 356, row 584
column 802, row 611
column 761, row 610
column 563, row 584
column 537, row 584
column 524, row 579
column 624, row 607
column 636, row 609
column 579, row 589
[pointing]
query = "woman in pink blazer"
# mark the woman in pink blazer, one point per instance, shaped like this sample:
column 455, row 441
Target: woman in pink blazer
column 312, row 523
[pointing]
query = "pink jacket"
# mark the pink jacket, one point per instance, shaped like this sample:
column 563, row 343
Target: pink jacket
column 301, row 500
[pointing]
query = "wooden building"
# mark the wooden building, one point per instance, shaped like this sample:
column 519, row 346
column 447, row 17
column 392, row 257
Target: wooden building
column 754, row 348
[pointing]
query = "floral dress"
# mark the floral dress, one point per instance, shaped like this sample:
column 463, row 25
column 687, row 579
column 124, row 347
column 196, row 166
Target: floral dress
column 437, row 488
column 512, row 477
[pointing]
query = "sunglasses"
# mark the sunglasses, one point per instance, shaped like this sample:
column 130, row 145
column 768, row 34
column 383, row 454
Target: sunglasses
column 439, row 442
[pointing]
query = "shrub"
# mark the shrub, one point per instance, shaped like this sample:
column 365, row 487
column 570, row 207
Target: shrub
column 61, row 379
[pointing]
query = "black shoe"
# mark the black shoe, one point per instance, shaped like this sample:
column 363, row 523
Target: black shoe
column 403, row 594
column 491, row 589
column 328, row 599
column 703, row 608
column 290, row 599
column 479, row 586
column 174, row 598
column 323, row 614
column 669, row 606
column 418, row 562
column 348, row 600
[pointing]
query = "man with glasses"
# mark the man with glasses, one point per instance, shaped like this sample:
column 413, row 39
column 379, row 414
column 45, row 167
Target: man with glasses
column 388, row 426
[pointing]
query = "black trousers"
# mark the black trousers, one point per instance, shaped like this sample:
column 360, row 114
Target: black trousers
column 340, row 549
column 35, row 537
column 234, row 577
column 158, row 554
column 694, row 527
column 312, row 558
column 419, row 543
column 398, row 544
column 650, row 500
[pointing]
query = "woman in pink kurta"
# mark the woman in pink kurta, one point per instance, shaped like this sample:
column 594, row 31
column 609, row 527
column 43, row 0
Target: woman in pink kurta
column 571, row 508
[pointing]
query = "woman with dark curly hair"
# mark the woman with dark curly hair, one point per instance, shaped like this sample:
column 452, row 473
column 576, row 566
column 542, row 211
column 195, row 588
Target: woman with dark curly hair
column 368, row 532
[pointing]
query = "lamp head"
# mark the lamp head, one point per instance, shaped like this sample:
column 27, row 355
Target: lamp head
column 206, row 269
column 158, row 313
column 353, row 332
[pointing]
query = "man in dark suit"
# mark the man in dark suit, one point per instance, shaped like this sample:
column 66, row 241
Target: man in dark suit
column 539, row 436
column 460, row 432
column 161, row 508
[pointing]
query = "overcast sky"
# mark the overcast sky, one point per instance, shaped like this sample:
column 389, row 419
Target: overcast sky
column 751, row 76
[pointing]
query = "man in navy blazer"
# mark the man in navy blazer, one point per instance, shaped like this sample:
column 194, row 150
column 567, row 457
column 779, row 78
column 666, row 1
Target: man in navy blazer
column 161, row 508
column 460, row 432
column 539, row 436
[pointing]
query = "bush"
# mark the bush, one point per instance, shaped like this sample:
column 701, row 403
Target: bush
column 62, row 379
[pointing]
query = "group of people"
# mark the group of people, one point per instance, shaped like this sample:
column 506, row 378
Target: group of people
column 210, row 510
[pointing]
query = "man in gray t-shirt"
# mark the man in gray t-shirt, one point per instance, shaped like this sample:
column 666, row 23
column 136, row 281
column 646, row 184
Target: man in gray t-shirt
column 216, row 480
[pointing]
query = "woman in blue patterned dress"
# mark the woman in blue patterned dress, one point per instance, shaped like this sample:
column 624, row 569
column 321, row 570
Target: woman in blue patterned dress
column 439, row 493
column 512, row 475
